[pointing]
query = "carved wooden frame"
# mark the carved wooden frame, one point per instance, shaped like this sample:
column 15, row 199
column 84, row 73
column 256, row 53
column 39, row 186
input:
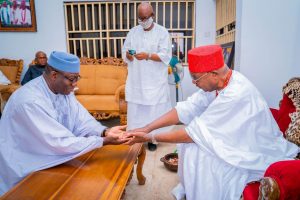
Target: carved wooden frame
column 9, row 89
column 104, row 115
column 20, row 28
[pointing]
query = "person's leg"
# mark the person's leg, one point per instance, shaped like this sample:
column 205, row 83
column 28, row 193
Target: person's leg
column 140, row 115
column 155, row 112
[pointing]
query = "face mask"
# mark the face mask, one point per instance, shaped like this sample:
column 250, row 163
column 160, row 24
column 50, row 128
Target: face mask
column 147, row 23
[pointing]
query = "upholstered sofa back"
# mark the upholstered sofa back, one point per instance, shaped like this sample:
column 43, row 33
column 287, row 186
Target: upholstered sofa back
column 102, row 87
column 101, row 79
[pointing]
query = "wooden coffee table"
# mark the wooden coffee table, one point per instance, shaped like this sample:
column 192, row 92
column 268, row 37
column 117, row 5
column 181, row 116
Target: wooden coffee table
column 99, row 174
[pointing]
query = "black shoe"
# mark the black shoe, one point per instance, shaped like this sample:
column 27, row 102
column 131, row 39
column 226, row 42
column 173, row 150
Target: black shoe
column 151, row 146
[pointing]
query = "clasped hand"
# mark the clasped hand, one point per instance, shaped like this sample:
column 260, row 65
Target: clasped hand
column 138, row 56
column 118, row 135
column 138, row 135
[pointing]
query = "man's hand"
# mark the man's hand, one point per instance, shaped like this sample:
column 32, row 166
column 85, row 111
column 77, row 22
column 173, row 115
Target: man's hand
column 114, row 136
column 136, row 137
column 142, row 56
column 129, row 56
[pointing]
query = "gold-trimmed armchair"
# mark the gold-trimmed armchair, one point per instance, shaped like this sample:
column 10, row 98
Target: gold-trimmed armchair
column 102, row 86
column 12, row 69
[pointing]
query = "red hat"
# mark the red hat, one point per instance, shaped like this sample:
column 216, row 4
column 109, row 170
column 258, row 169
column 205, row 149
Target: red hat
column 205, row 58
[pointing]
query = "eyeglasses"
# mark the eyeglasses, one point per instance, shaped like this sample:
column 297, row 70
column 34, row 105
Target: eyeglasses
column 73, row 79
column 42, row 57
column 195, row 81
column 145, row 18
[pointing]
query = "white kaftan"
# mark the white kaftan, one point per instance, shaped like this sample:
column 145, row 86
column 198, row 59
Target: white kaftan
column 235, row 140
column 39, row 129
column 147, row 87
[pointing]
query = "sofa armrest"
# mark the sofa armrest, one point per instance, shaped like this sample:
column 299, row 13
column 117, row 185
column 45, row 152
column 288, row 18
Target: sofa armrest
column 9, row 88
column 120, row 97
column 5, row 93
column 119, row 91
column 281, row 181
column 268, row 189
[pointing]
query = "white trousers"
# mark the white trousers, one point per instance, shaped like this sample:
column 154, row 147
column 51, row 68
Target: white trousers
column 140, row 115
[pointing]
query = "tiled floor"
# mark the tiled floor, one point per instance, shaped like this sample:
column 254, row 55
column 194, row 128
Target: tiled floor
column 160, row 181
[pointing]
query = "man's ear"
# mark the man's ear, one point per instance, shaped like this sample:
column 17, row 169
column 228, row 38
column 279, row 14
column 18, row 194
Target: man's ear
column 53, row 75
column 153, row 15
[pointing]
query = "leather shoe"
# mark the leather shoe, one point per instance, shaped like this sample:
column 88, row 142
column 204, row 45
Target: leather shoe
column 151, row 146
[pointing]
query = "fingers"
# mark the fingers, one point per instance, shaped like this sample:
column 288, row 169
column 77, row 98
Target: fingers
column 138, row 57
column 129, row 134
column 123, row 141
column 118, row 129
column 141, row 56
column 130, row 57
column 122, row 127
column 130, row 142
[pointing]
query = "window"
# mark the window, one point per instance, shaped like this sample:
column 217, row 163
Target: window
column 98, row 29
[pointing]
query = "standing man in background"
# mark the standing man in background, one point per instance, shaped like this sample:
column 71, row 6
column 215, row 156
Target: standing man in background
column 148, row 51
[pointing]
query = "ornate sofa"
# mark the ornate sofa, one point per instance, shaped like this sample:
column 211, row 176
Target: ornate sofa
column 281, row 179
column 102, row 87
column 12, row 69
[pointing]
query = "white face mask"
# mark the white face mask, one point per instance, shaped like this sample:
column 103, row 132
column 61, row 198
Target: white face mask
column 147, row 23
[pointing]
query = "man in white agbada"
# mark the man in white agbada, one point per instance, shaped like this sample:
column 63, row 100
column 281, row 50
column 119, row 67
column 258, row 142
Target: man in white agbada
column 43, row 125
column 147, row 90
column 24, row 14
column 5, row 14
column 230, row 136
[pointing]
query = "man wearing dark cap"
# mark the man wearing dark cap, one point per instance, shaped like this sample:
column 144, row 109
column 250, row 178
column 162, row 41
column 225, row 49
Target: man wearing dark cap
column 43, row 124
column 230, row 137
column 37, row 69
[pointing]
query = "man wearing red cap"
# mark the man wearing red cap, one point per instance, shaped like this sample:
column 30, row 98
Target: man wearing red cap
column 230, row 137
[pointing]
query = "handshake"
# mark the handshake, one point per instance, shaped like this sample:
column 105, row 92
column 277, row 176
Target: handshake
column 118, row 135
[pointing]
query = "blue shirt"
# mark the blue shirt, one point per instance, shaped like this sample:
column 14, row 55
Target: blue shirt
column 33, row 72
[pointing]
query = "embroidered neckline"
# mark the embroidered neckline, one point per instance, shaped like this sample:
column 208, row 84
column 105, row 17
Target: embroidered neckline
column 227, row 78
column 23, row 15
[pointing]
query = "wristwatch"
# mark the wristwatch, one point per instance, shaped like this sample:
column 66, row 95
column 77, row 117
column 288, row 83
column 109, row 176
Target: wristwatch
column 103, row 134
column 149, row 56
column 153, row 140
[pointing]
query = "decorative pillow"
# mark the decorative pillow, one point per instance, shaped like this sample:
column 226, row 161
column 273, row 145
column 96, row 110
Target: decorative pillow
column 293, row 132
column 3, row 79
column 292, row 90
column 283, row 115
column 10, row 72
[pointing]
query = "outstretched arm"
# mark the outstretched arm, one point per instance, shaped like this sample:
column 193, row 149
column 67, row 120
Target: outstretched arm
column 178, row 136
column 170, row 118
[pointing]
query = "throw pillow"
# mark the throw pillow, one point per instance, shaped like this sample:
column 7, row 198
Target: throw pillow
column 3, row 79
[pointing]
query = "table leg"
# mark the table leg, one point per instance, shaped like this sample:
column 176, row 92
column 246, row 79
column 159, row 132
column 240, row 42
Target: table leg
column 141, row 158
